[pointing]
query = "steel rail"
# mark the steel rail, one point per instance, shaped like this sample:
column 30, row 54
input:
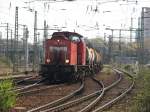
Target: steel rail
column 29, row 86
column 91, row 105
column 84, row 98
column 31, row 91
column 23, row 80
column 56, row 102
column 110, row 103
column 20, row 81
column 18, row 88
column 25, row 87
column 71, row 103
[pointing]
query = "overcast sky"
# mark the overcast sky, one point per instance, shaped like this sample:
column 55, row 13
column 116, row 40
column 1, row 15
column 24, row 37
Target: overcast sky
column 88, row 17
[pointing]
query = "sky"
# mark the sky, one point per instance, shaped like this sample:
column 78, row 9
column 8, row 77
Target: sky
column 87, row 17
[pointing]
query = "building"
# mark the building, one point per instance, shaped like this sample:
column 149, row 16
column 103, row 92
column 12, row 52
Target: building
column 146, row 26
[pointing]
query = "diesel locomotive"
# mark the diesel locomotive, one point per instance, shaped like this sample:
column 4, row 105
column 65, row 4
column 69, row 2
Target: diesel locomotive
column 68, row 57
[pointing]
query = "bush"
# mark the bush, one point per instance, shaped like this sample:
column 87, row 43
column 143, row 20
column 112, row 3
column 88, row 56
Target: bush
column 127, row 67
column 142, row 102
column 7, row 97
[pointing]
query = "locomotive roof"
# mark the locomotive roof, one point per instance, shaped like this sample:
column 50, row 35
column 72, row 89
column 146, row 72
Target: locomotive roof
column 66, row 34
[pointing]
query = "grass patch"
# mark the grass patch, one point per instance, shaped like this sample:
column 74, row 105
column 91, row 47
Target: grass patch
column 107, row 70
column 7, row 98
column 5, row 62
column 142, row 99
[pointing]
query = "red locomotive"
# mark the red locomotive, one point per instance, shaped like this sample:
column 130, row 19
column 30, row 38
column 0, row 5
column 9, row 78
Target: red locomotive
column 68, row 57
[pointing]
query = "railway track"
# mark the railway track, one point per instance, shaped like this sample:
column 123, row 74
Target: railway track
column 22, row 90
column 119, row 96
column 19, row 81
column 43, row 95
column 38, row 89
column 59, row 101
column 64, row 106
column 35, row 87
column 89, row 102
column 98, row 94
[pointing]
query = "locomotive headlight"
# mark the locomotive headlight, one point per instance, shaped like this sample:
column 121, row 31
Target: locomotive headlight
column 67, row 60
column 48, row 60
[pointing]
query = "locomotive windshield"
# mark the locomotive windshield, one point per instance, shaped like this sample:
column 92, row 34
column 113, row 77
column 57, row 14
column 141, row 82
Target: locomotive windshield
column 58, row 54
column 74, row 38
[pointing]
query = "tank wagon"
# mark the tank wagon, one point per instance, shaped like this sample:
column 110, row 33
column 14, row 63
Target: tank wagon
column 68, row 57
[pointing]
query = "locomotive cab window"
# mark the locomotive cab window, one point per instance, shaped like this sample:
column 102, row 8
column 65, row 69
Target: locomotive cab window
column 74, row 38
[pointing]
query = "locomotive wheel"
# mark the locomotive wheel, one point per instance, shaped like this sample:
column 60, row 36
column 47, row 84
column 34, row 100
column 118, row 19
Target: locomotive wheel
column 82, row 75
column 76, row 76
